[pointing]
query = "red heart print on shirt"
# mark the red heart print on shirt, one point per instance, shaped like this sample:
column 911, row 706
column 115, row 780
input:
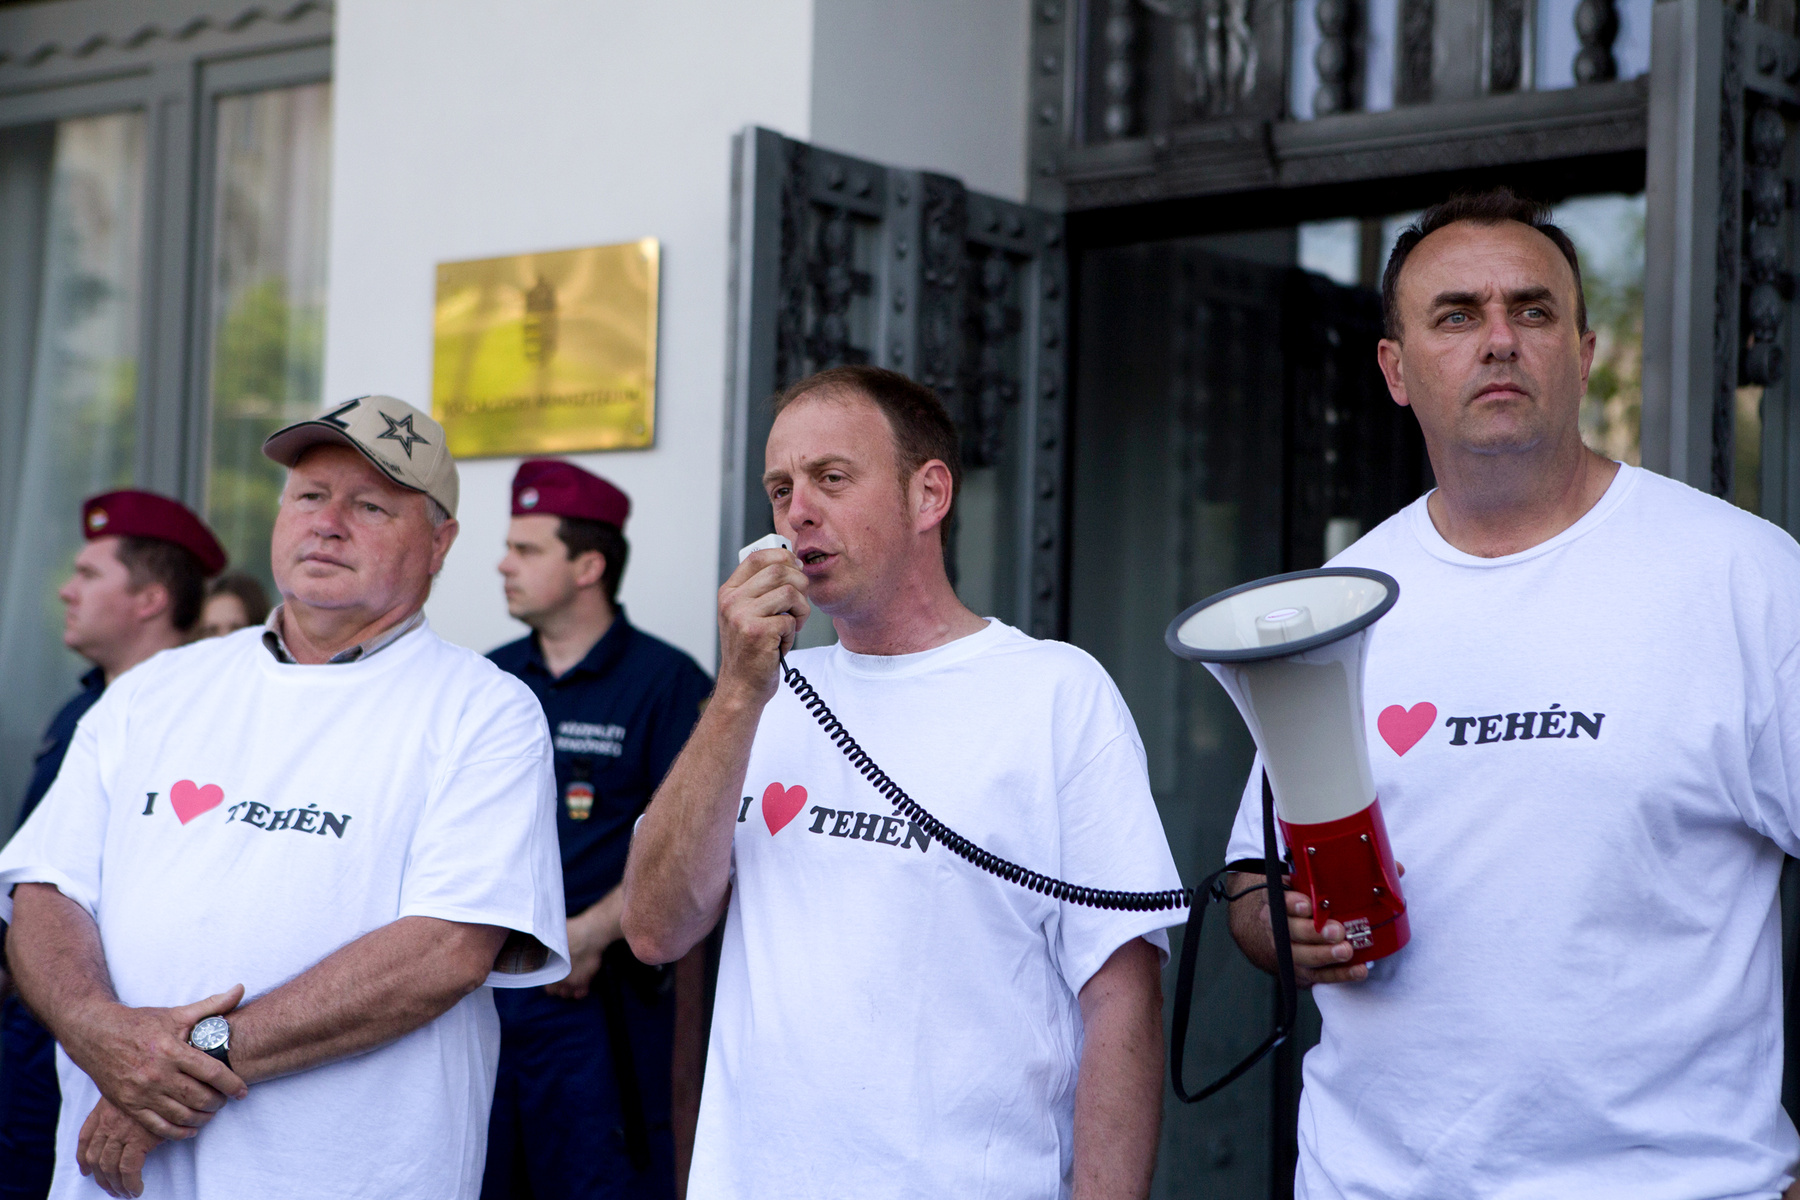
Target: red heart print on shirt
column 190, row 800
column 781, row 805
column 1402, row 728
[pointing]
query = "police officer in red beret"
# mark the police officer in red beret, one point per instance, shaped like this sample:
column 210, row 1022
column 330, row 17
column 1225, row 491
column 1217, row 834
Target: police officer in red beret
column 586, row 1092
column 137, row 588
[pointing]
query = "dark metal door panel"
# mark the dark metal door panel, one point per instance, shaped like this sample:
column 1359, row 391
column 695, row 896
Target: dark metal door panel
column 1226, row 412
column 841, row 260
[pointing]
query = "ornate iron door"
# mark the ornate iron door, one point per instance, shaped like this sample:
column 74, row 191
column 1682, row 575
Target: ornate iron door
column 1719, row 286
column 839, row 260
column 1229, row 422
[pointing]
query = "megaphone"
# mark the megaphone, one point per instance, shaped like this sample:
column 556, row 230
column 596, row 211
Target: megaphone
column 1290, row 650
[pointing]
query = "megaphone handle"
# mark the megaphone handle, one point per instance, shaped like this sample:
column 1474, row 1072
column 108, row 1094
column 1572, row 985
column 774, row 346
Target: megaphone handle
column 1286, row 988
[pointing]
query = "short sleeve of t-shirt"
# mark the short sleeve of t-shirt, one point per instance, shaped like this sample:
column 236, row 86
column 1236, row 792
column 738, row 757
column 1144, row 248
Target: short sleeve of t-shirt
column 478, row 856
column 1247, row 830
column 63, row 841
column 1775, row 761
column 1111, row 831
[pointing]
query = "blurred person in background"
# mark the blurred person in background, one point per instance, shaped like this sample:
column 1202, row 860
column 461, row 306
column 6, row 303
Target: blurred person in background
column 234, row 601
column 618, row 1042
column 136, row 590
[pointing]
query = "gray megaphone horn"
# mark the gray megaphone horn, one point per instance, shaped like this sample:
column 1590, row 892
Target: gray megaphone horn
column 1290, row 650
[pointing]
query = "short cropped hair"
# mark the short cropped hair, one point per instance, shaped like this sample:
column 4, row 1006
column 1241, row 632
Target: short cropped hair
column 152, row 560
column 1479, row 208
column 580, row 535
column 248, row 590
column 920, row 423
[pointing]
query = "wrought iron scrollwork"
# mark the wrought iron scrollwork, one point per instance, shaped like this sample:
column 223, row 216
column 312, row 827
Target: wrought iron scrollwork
column 1412, row 67
column 835, row 280
column 1597, row 25
column 790, row 315
column 1120, row 74
column 1506, row 45
column 1215, row 50
column 963, row 292
column 941, row 271
column 993, row 390
column 1769, row 287
column 1727, row 257
column 1335, row 57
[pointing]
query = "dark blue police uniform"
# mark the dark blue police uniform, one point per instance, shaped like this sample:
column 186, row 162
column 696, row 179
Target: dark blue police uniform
column 581, row 1106
column 29, row 1096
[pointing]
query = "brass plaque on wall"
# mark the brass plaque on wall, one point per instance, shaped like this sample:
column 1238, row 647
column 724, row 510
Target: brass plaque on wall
column 547, row 353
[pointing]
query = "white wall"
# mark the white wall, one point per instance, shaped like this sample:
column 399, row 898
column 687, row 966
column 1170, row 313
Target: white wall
column 468, row 129
column 937, row 84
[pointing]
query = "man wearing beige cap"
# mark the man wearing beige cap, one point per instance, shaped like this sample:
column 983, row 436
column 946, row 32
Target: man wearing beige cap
column 292, row 861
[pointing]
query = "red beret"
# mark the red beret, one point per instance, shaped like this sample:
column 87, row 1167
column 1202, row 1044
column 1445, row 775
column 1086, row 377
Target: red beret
column 552, row 487
column 148, row 515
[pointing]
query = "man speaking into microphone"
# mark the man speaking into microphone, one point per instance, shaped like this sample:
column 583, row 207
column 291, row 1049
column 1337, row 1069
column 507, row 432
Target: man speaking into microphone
column 1584, row 727
column 890, row 1021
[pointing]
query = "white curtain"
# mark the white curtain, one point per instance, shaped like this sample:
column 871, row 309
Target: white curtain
column 79, row 421
column 271, row 188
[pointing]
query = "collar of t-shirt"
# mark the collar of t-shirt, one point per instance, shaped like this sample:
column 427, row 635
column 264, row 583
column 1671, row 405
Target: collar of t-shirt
column 1621, row 487
column 900, row 666
column 277, row 645
column 602, row 657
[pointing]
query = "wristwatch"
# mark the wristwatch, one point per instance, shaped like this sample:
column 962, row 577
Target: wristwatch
column 213, row 1037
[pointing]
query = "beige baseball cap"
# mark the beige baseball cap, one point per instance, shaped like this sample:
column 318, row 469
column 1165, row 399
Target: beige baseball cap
column 406, row 444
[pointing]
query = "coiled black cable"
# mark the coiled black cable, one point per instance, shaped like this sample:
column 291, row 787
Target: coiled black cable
column 956, row 843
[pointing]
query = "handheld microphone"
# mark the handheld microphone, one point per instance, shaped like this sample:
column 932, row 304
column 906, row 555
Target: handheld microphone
column 773, row 541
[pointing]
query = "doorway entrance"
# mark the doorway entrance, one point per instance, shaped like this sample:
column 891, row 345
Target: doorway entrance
column 1229, row 422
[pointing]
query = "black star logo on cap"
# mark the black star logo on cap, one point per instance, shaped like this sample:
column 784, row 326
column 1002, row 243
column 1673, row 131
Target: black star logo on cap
column 401, row 431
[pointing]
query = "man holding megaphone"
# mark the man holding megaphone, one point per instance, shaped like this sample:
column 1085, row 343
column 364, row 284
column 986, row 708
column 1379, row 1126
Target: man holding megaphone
column 1584, row 727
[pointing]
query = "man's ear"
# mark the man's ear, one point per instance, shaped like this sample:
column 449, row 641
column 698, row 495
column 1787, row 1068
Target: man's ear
column 929, row 495
column 1387, row 354
column 590, row 568
column 1589, row 341
column 442, row 538
column 151, row 601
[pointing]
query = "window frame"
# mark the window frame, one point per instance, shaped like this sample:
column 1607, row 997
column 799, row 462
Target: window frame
column 171, row 60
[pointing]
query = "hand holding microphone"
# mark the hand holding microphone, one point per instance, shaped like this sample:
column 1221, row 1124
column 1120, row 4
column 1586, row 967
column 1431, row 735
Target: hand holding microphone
column 761, row 609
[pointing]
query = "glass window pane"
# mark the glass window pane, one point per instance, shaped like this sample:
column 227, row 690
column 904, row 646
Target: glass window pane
column 1608, row 232
column 79, row 411
column 271, row 187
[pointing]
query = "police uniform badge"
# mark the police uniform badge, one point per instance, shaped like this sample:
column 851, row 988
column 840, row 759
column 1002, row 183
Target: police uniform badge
column 578, row 796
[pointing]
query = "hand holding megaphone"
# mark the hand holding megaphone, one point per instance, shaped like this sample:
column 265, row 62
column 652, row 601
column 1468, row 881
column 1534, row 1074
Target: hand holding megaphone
column 761, row 609
column 1321, row 954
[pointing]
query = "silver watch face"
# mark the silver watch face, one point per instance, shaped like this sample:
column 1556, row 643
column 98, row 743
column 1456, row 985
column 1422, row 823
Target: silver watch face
column 210, row 1034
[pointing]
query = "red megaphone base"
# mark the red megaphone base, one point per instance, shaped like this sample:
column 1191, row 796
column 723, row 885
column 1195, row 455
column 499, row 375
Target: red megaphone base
column 1346, row 868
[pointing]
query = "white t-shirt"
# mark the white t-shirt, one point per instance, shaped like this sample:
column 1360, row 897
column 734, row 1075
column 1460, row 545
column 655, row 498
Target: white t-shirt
column 1587, row 755
column 890, row 1020
column 229, row 819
